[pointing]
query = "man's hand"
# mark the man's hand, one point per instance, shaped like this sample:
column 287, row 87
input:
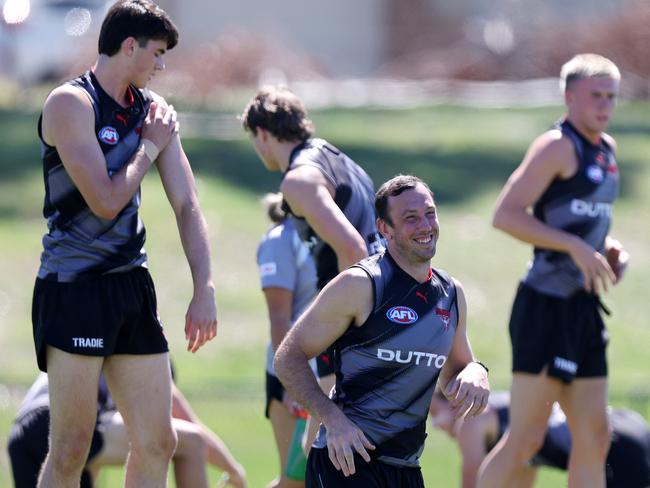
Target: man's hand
column 617, row 257
column 160, row 124
column 201, row 320
column 342, row 437
column 597, row 272
column 468, row 393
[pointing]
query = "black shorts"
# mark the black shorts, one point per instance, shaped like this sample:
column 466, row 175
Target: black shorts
column 325, row 362
column 274, row 391
column 28, row 445
column 109, row 314
column 321, row 473
column 565, row 335
column 628, row 461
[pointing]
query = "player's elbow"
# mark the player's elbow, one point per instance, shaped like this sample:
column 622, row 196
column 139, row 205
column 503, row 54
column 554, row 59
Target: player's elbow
column 500, row 219
column 105, row 210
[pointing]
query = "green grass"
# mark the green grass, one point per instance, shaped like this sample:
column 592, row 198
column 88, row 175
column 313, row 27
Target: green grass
column 465, row 154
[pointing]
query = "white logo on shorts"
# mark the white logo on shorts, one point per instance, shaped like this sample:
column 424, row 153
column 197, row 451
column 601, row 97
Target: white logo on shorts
column 565, row 365
column 94, row 342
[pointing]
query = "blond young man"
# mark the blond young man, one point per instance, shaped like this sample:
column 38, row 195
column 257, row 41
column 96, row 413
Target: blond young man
column 569, row 177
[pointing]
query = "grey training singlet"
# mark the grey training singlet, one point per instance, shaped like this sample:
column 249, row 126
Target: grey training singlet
column 79, row 243
column 580, row 205
column 387, row 369
column 354, row 195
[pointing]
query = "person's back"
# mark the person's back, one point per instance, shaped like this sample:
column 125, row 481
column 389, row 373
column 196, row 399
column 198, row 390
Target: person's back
column 353, row 194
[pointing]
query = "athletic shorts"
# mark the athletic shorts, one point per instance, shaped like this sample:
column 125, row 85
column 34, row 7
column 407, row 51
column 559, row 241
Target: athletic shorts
column 109, row 314
column 274, row 391
column 321, row 473
column 28, row 446
column 565, row 335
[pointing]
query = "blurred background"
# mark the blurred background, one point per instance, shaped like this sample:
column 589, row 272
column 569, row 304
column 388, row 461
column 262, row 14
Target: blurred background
column 451, row 91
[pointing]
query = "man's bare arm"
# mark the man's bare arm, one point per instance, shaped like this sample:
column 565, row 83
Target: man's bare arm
column 178, row 181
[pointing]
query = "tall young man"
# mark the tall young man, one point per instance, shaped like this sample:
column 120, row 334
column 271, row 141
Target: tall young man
column 94, row 304
column 397, row 327
column 569, row 178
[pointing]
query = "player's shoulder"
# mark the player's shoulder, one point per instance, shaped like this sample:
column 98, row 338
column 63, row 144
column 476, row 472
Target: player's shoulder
column 67, row 97
column 609, row 140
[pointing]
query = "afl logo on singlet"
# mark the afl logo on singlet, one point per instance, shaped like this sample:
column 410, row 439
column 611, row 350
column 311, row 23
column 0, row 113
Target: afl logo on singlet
column 109, row 135
column 595, row 173
column 402, row 315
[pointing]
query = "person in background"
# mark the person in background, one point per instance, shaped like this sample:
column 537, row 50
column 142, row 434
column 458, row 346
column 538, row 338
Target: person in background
column 628, row 459
column 198, row 446
column 288, row 278
column 560, row 200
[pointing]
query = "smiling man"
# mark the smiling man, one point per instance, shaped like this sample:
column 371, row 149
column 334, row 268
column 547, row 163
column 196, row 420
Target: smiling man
column 94, row 304
column 397, row 327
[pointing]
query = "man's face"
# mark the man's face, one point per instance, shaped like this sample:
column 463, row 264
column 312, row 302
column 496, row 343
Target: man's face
column 591, row 102
column 414, row 230
column 147, row 60
column 260, row 142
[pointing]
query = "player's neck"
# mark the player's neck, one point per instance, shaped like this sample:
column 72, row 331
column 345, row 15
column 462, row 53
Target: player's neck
column 283, row 152
column 592, row 136
column 418, row 271
column 111, row 82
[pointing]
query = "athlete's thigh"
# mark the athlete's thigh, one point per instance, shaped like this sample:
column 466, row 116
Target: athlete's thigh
column 141, row 388
column 116, row 443
column 531, row 399
column 585, row 404
column 73, row 385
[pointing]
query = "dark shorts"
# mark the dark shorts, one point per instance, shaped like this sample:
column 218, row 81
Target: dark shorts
column 108, row 314
column 628, row 461
column 325, row 362
column 321, row 473
column 565, row 335
column 274, row 391
column 28, row 445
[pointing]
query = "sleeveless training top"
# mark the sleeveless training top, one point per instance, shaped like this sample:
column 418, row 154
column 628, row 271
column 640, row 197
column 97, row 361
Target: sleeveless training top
column 354, row 195
column 580, row 205
column 386, row 369
column 79, row 243
column 284, row 261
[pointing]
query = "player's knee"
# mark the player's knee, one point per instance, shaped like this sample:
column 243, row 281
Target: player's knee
column 156, row 443
column 191, row 443
column 594, row 438
column 527, row 444
column 68, row 454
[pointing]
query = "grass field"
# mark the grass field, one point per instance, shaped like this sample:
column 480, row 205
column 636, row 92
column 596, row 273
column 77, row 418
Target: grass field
column 465, row 154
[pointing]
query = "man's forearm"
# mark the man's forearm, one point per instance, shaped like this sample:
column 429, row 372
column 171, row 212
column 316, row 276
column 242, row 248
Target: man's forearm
column 194, row 237
column 292, row 367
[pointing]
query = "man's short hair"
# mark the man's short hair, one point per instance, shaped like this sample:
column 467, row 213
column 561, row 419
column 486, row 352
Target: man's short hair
column 392, row 188
column 140, row 19
column 279, row 111
column 585, row 66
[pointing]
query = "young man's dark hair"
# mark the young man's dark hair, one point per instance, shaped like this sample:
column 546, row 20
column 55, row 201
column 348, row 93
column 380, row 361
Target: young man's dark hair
column 141, row 19
column 279, row 111
column 393, row 188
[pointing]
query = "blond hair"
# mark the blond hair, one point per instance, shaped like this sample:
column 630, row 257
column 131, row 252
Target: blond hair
column 585, row 66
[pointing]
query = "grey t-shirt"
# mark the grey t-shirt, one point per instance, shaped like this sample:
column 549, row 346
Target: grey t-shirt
column 284, row 261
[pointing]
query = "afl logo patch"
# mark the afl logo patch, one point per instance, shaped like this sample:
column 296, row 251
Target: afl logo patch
column 109, row 135
column 595, row 173
column 402, row 315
